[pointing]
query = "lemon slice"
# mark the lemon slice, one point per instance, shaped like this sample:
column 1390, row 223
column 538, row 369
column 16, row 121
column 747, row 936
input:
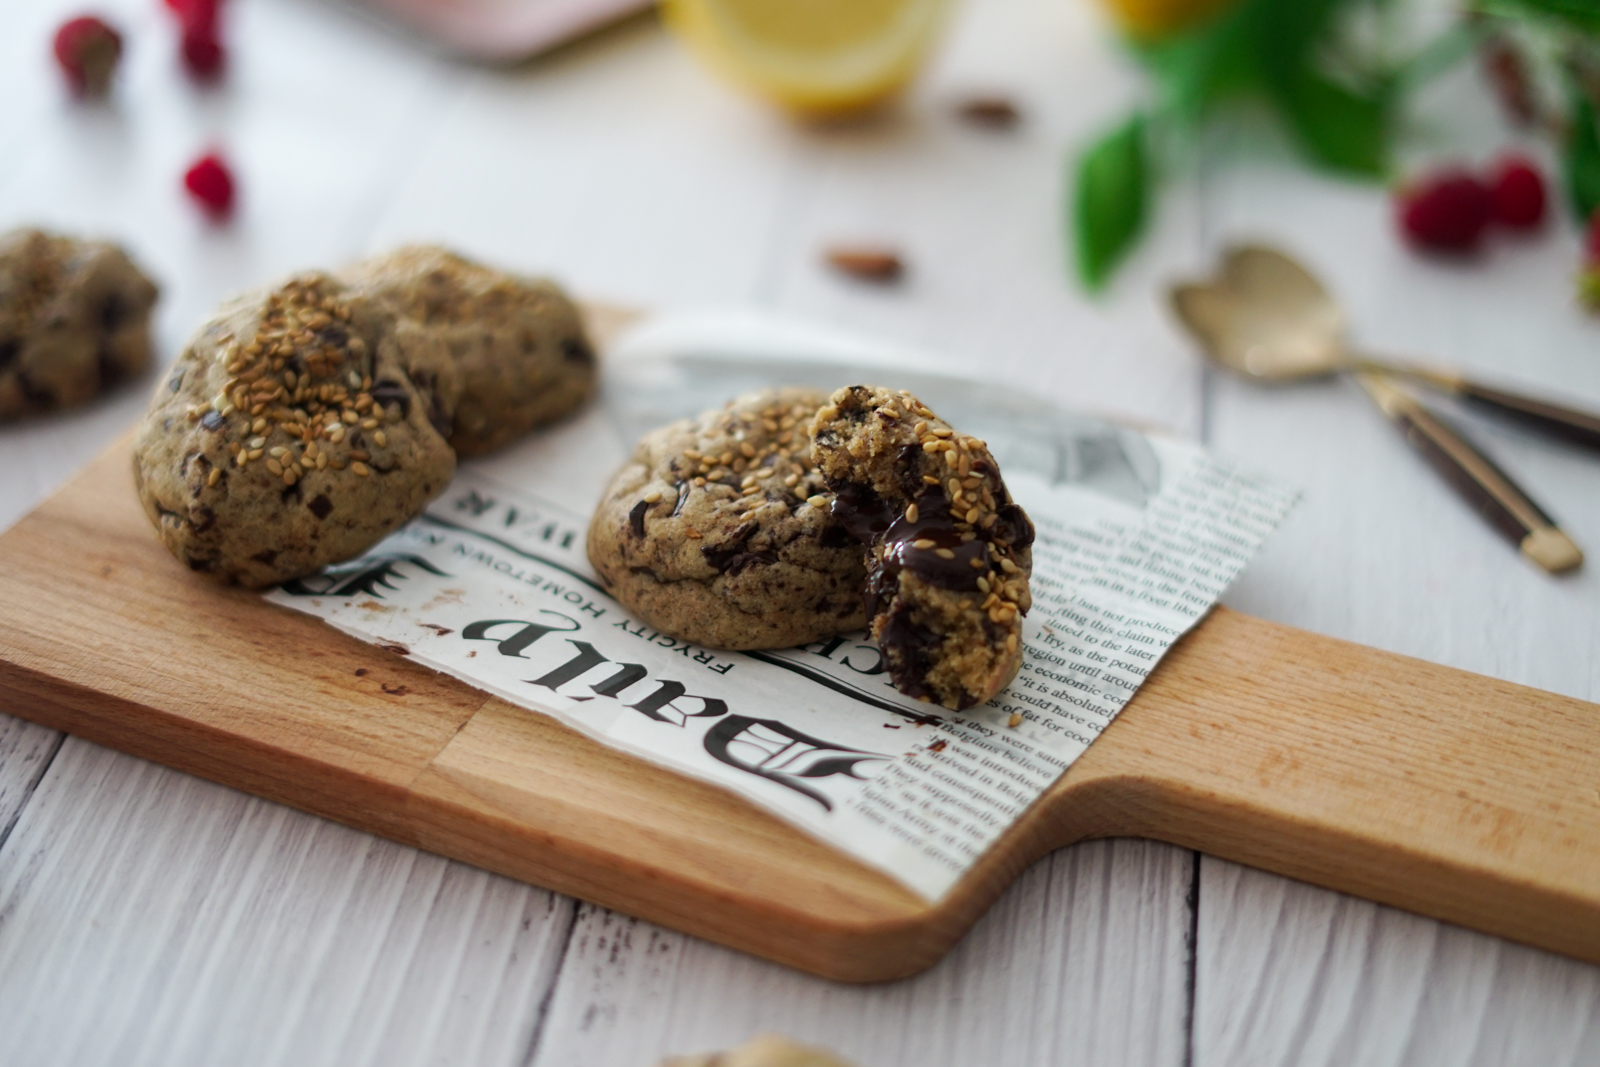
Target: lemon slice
column 820, row 56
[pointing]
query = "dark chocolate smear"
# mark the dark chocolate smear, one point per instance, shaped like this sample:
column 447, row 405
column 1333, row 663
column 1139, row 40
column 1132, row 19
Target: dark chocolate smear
column 862, row 512
column 1014, row 527
column 743, row 561
column 835, row 536
column 934, row 523
column 636, row 518
column 388, row 392
column 909, row 649
column 722, row 556
column 321, row 506
column 577, row 350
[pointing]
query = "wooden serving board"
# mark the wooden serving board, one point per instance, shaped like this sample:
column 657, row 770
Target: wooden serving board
column 1431, row 789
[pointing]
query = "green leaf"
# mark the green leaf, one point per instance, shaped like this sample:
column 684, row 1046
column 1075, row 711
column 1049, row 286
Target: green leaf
column 1109, row 200
column 1580, row 14
column 1337, row 128
column 1582, row 162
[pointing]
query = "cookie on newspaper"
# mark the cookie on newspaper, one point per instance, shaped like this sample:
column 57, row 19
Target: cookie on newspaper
column 765, row 1050
column 717, row 531
column 948, row 560
column 300, row 426
column 522, row 359
column 74, row 321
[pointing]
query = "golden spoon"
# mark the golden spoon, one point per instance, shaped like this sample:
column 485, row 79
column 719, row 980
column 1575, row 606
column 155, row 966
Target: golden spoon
column 1266, row 317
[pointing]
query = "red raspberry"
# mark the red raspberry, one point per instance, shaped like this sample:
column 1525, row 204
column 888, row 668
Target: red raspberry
column 211, row 183
column 1517, row 188
column 1446, row 212
column 196, row 14
column 202, row 53
column 200, row 46
column 88, row 50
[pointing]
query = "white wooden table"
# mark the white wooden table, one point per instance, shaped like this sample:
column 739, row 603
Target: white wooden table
column 147, row 917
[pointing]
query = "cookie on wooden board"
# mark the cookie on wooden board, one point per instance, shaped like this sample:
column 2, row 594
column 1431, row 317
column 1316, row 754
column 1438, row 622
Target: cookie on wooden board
column 949, row 555
column 74, row 321
column 717, row 530
column 301, row 425
column 522, row 358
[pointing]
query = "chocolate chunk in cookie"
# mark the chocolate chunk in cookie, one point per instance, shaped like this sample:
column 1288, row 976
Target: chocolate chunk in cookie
column 299, row 427
column 718, row 530
column 520, row 352
column 74, row 321
column 949, row 554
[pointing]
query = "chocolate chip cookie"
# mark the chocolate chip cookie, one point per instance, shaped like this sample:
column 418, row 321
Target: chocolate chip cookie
column 949, row 556
column 522, row 359
column 74, row 321
column 300, row 426
column 718, row 530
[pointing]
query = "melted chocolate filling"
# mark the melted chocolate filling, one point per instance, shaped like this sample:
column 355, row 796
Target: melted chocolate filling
column 934, row 523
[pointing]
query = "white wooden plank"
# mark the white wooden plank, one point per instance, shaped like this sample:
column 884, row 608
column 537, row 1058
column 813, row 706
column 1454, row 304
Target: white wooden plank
column 1082, row 962
column 26, row 749
column 1292, row 974
column 148, row 917
column 616, row 165
column 1381, row 552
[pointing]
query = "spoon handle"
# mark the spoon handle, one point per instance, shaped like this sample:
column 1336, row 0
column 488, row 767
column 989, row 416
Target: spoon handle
column 1578, row 427
column 1550, row 419
column 1483, row 485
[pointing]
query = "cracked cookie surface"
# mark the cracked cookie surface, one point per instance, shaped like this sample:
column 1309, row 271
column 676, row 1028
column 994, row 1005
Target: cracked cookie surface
column 718, row 530
column 948, row 550
column 299, row 427
column 521, row 356
column 74, row 321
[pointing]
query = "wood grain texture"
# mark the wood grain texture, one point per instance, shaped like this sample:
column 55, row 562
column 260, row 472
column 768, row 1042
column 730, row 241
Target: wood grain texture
column 150, row 918
column 1443, row 792
column 26, row 750
column 1386, row 989
column 1097, row 932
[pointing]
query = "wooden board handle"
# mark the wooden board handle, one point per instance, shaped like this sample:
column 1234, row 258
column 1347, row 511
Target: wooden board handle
column 1449, row 794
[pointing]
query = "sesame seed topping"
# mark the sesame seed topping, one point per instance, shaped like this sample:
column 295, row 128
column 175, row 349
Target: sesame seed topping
column 653, row 497
column 944, row 553
column 360, row 468
column 923, row 543
column 692, row 534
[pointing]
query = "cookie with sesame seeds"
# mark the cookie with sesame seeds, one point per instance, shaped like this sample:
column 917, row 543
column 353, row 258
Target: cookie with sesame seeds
column 74, row 321
column 299, row 427
column 522, row 357
column 948, row 551
column 717, row 530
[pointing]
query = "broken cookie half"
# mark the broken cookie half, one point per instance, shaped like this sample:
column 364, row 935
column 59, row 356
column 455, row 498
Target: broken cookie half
column 948, row 555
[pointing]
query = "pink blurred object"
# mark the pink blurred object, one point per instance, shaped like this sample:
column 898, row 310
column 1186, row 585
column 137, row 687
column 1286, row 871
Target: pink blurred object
column 505, row 29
